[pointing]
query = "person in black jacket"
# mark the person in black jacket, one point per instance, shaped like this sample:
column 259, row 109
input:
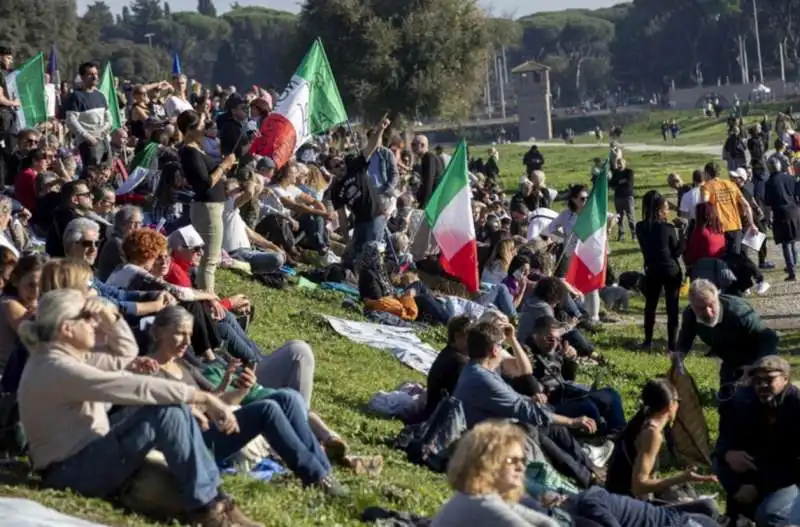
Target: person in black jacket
column 533, row 160
column 445, row 370
column 757, row 454
column 735, row 150
column 661, row 248
column 622, row 183
column 758, row 162
column 76, row 201
column 430, row 170
column 780, row 198
column 233, row 138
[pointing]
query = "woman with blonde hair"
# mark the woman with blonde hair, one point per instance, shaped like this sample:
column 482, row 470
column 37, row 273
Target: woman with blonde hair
column 487, row 472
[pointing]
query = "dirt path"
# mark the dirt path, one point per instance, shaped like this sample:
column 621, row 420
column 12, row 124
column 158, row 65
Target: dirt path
column 713, row 150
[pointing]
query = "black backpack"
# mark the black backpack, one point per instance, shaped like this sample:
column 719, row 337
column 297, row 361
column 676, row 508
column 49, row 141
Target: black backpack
column 432, row 443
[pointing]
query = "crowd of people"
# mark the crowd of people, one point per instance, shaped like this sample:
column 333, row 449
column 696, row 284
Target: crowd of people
column 118, row 343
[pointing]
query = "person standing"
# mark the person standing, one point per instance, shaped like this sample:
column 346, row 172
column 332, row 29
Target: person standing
column 661, row 248
column 622, row 183
column 730, row 204
column 780, row 197
column 8, row 116
column 207, row 180
column 89, row 120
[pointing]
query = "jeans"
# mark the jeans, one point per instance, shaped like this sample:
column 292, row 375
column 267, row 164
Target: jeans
column 290, row 366
column 565, row 454
column 281, row 418
column 240, row 345
column 603, row 405
column 373, row 230
column 776, row 509
column 789, row 256
column 104, row 465
column 316, row 235
column 260, row 261
column 207, row 220
column 499, row 296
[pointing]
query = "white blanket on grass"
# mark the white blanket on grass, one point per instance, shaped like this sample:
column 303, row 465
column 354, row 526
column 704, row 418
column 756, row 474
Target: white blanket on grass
column 25, row 513
column 403, row 343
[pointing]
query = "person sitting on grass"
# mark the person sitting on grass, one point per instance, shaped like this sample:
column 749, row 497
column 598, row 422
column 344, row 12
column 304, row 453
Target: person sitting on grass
column 280, row 417
column 757, row 451
column 630, row 471
column 487, row 471
column 485, row 395
column 445, row 370
column 377, row 291
column 74, row 444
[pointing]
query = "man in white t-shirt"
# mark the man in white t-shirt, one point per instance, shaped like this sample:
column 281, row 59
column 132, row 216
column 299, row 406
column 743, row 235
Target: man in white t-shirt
column 243, row 243
column 693, row 198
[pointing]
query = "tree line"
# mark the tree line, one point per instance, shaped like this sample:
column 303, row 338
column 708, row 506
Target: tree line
column 415, row 59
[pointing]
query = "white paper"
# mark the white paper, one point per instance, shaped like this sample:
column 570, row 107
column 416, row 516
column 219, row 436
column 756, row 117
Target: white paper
column 754, row 240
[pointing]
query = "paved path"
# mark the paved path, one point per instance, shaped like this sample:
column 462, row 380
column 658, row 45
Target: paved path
column 713, row 150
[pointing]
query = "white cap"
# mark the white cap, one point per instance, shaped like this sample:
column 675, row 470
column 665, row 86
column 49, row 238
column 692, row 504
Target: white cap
column 185, row 237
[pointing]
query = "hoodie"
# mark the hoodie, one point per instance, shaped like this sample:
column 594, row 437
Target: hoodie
column 232, row 135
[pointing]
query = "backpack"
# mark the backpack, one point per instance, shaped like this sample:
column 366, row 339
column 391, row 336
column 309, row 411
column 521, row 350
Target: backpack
column 432, row 443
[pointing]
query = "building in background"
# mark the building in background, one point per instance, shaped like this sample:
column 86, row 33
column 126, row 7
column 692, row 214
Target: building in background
column 532, row 87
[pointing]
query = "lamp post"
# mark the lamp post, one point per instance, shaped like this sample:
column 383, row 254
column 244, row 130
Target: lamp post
column 758, row 43
column 149, row 37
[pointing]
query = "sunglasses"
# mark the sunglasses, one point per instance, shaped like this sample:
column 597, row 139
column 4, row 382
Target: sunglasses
column 90, row 244
column 197, row 249
column 583, row 198
column 518, row 461
column 83, row 194
column 83, row 315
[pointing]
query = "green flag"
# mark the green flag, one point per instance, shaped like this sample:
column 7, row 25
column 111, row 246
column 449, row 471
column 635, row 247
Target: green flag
column 107, row 88
column 27, row 85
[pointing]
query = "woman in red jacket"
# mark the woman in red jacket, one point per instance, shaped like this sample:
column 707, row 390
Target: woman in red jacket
column 706, row 239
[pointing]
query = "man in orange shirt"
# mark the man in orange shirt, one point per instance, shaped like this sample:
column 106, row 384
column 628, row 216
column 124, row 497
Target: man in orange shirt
column 730, row 205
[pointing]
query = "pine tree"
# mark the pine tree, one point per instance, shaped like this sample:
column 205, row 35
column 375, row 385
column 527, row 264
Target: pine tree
column 167, row 10
column 206, row 7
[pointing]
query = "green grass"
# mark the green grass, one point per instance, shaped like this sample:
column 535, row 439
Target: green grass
column 348, row 374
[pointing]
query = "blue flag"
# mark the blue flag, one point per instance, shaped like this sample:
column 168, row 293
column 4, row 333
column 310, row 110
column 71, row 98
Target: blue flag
column 52, row 64
column 176, row 64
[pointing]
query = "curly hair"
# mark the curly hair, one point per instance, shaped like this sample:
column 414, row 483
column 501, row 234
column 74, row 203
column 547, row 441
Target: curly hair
column 143, row 245
column 481, row 455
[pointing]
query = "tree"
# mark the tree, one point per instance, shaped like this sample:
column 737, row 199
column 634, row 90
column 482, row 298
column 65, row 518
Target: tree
column 388, row 56
column 206, row 7
column 144, row 14
column 167, row 10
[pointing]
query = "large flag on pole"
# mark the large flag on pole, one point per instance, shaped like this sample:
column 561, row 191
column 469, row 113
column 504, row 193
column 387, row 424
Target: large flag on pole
column 588, row 264
column 27, row 85
column 449, row 213
column 107, row 88
column 176, row 64
column 309, row 105
column 143, row 166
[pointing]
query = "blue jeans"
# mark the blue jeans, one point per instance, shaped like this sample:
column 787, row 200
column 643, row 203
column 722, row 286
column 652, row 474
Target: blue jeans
column 603, row 405
column 260, row 261
column 499, row 296
column 239, row 344
column 282, row 419
column 373, row 230
column 316, row 237
column 775, row 509
column 101, row 468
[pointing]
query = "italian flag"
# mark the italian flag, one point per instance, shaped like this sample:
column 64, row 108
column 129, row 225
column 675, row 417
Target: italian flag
column 310, row 105
column 143, row 166
column 449, row 213
column 587, row 265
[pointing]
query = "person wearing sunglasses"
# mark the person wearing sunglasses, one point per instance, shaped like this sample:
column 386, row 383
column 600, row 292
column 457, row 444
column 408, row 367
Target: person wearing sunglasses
column 76, row 201
column 487, row 472
column 126, row 219
column 757, row 452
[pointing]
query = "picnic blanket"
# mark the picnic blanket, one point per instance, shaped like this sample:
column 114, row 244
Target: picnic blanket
column 26, row 513
column 401, row 342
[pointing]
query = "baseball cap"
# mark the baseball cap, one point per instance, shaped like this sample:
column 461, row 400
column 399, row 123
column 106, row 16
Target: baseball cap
column 771, row 363
column 234, row 101
column 185, row 237
column 735, row 174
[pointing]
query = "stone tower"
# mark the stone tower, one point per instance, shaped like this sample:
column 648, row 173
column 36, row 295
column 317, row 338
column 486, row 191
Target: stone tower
column 532, row 86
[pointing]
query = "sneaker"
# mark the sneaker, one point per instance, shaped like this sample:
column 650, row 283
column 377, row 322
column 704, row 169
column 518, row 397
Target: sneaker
column 766, row 265
column 237, row 517
column 791, row 278
column 599, row 455
column 213, row 515
column 332, row 488
column 761, row 288
column 329, row 258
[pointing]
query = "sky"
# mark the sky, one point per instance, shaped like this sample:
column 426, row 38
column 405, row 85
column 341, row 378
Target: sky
column 514, row 8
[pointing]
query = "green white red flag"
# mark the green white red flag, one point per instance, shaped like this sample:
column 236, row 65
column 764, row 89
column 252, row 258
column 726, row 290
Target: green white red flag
column 309, row 105
column 449, row 213
column 588, row 263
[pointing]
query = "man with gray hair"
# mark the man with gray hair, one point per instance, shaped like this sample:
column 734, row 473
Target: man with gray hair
column 81, row 238
column 730, row 327
column 127, row 218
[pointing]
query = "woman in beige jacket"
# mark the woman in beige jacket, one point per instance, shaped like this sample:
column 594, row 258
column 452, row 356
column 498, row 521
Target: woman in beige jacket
column 83, row 357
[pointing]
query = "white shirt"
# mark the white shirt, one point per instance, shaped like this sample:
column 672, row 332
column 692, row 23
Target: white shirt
column 5, row 242
column 176, row 106
column 234, row 233
column 689, row 202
